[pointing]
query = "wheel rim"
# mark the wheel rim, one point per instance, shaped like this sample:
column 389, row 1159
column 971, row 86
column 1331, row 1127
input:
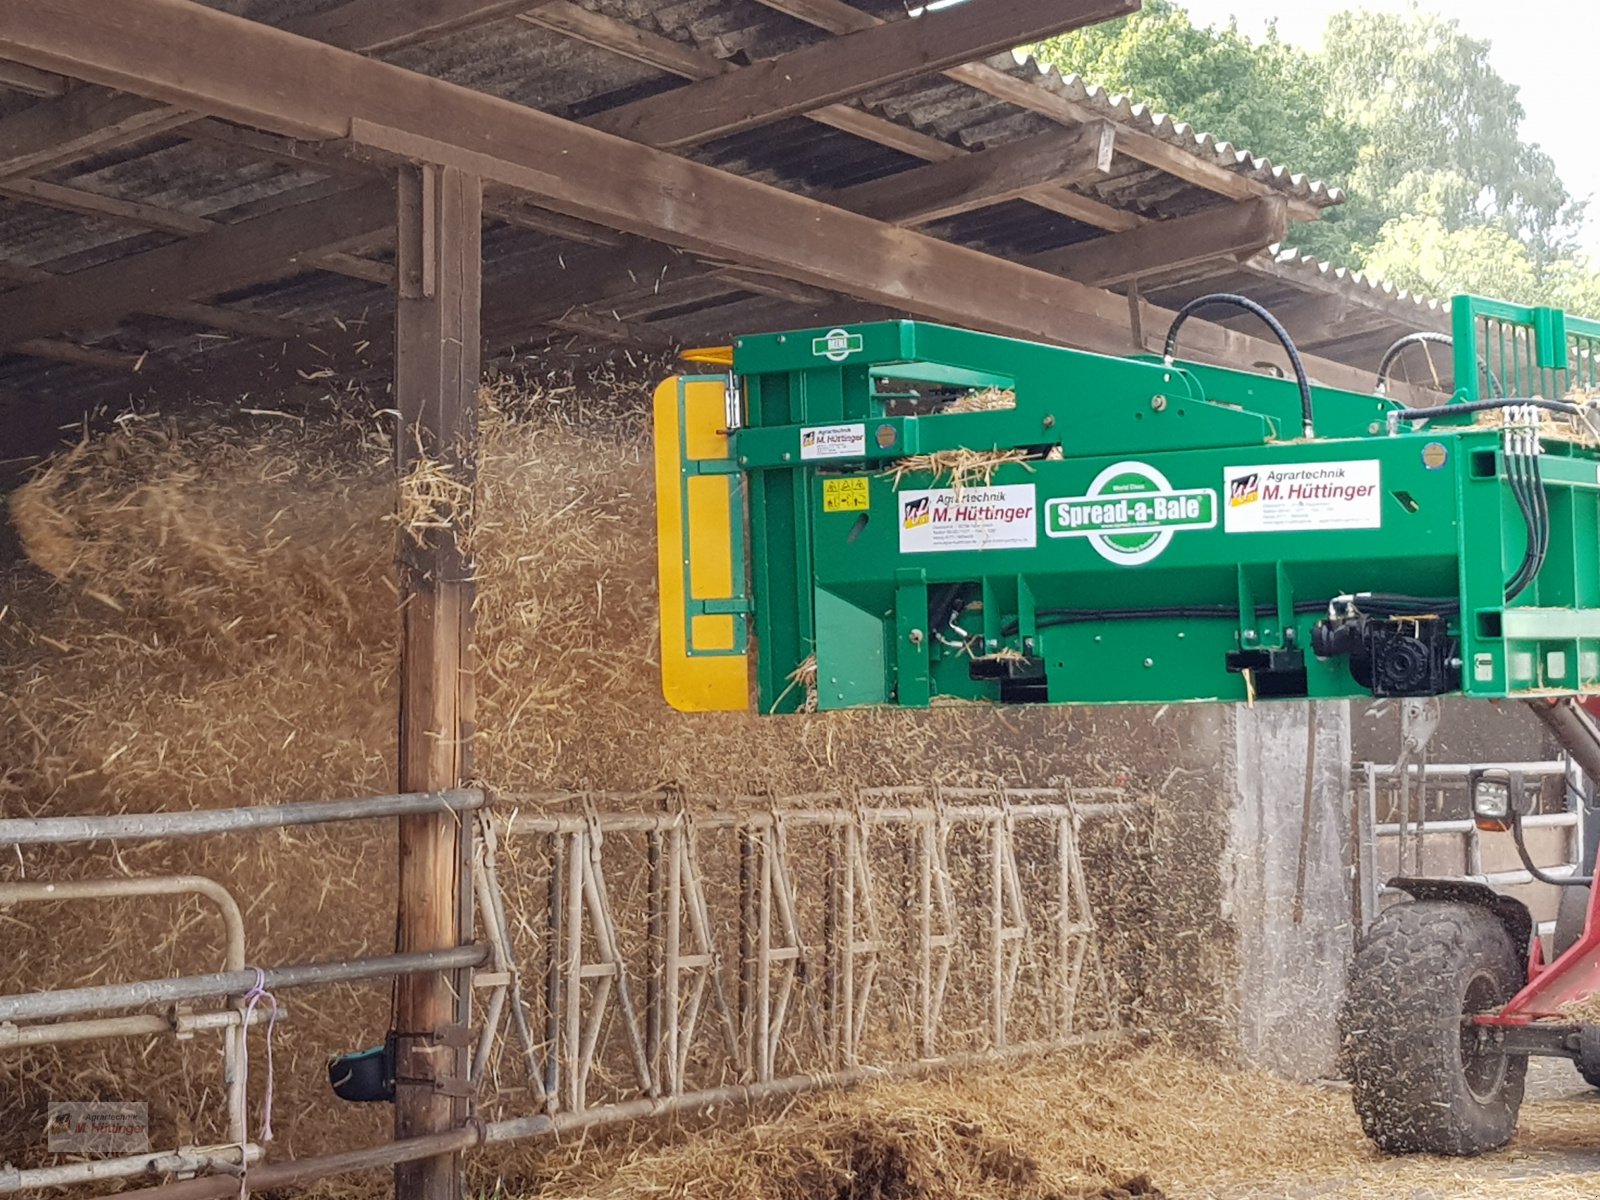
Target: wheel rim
column 1482, row 1066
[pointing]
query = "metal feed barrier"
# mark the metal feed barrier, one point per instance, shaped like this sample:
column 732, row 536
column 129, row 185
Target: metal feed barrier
column 1406, row 789
column 639, row 963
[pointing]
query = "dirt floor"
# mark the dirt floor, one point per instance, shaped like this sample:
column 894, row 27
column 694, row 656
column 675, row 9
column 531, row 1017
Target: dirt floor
column 1147, row 1123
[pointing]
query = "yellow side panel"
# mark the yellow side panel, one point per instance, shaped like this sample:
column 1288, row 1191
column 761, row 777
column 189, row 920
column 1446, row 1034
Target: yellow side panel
column 711, row 356
column 719, row 684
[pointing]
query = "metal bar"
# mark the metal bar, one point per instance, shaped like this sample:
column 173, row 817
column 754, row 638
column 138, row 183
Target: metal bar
column 555, row 955
column 489, row 874
column 669, row 1017
column 846, row 935
column 515, row 1129
column 764, row 962
column 925, row 838
column 997, row 937
column 41, row 831
column 129, row 1166
column 1461, row 771
column 161, row 885
column 1533, row 821
column 72, row 1001
column 611, row 952
column 520, row 822
column 143, row 1025
column 573, row 1001
column 655, row 966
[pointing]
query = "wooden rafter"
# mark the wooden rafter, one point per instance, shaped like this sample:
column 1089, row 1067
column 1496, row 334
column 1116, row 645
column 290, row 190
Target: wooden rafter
column 939, row 190
column 84, row 120
column 639, row 45
column 34, row 83
column 254, row 73
column 817, row 75
column 376, row 25
column 840, row 17
column 1225, row 231
column 229, row 256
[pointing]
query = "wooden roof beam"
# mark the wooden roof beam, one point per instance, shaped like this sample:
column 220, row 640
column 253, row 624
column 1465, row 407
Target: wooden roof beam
column 164, row 220
column 817, row 75
column 840, row 17
column 596, row 29
column 84, row 120
column 79, row 356
column 255, row 73
column 1164, row 246
column 207, row 316
column 35, row 83
column 229, row 256
column 938, row 190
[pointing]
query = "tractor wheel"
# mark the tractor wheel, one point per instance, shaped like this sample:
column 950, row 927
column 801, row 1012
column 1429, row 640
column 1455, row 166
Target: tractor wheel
column 1571, row 913
column 1570, row 916
column 1424, row 1079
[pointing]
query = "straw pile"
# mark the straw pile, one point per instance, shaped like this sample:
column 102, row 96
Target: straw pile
column 1112, row 1124
column 209, row 619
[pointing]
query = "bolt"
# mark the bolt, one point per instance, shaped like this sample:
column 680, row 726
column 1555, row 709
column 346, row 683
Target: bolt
column 1149, row 662
column 1181, row 635
column 1049, row 421
column 1374, row 428
column 915, row 637
column 993, row 644
column 785, row 456
column 1158, row 403
column 782, row 339
column 1249, row 635
column 1027, row 644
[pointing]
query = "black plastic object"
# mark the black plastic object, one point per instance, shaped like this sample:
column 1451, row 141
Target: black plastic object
column 365, row 1077
column 1405, row 656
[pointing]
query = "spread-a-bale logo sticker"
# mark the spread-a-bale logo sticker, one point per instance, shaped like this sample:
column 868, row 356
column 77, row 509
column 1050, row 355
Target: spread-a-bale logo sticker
column 974, row 518
column 1303, row 496
column 1130, row 513
column 837, row 345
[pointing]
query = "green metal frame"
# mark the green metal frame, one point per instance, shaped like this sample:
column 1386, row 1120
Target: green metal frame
column 1130, row 515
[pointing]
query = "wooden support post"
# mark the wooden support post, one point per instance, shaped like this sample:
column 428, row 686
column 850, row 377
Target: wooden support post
column 436, row 390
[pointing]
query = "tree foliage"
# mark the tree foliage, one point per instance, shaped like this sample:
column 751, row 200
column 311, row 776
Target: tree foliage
column 1404, row 111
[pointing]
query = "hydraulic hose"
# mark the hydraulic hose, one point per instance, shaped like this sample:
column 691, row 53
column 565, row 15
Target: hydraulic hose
column 1564, row 407
column 1307, row 420
column 1430, row 338
column 1536, row 872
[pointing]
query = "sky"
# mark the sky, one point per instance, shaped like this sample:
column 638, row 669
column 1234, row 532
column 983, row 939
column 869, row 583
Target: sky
column 1543, row 54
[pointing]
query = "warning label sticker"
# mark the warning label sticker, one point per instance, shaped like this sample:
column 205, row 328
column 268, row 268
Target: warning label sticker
column 833, row 441
column 846, row 495
column 991, row 518
column 1303, row 496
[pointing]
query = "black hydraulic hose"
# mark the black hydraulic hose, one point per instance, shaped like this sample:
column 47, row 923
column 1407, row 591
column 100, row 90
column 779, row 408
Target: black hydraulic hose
column 1430, row 338
column 1307, row 422
column 1527, row 859
column 1473, row 406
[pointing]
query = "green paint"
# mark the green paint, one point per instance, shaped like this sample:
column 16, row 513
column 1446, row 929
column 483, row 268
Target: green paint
column 1138, row 497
